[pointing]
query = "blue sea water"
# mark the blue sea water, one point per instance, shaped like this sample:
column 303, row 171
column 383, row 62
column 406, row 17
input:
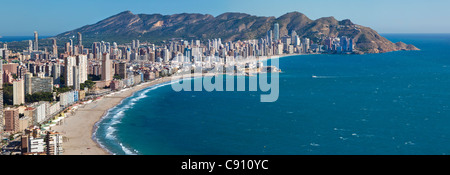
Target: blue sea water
column 391, row 103
column 19, row 38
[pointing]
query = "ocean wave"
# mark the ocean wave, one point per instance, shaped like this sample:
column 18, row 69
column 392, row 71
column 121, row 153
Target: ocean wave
column 126, row 150
column 114, row 116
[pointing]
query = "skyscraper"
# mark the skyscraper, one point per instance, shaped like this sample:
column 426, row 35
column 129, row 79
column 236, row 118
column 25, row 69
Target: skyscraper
column 82, row 68
column 56, row 73
column 35, row 45
column 1, row 77
column 30, row 46
column 76, row 78
column 1, row 101
column 106, row 67
column 276, row 30
column 123, row 70
column 27, row 82
column 293, row 37
column 69, row 62
column 12, row 120
column 71, row 47
column 80, row 42
column 67, row 48
column 269, row 37
column 18, row 92
column 305, row 43
column 55, row 48
column 344, row 43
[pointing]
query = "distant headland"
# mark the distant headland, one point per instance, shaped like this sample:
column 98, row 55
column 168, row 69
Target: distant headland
column 231, row 27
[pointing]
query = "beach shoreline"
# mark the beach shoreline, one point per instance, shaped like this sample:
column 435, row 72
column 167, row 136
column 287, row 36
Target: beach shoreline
column 79, row 129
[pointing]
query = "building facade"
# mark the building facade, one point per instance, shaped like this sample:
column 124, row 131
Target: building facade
column 18, row 92
column 11, row 120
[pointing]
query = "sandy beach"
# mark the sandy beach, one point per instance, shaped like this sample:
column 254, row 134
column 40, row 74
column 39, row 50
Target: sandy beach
column 77, row 129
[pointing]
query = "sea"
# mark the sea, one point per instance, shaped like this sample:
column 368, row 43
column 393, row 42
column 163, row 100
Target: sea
column 6, row 39
column 395, row 103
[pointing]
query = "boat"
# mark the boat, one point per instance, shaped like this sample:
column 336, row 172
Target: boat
column 314, row 76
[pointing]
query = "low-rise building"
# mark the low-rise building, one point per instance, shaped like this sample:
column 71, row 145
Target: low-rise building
column 25, row 122
column 36, row 145
column 53, row 108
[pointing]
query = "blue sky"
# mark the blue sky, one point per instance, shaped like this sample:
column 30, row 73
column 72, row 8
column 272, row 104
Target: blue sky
column 51, row 17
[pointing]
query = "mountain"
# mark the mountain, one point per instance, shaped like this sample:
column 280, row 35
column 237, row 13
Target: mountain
column 126, row 26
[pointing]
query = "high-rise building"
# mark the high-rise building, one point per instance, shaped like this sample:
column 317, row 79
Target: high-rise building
column 54, row 142
column 328, row 43
column 30, row 46
column 344, row 43
column 76, row 78
column 81, row 62
column 293, row 37
column 27, row 82
column 269, row 37
column 37, row 84
column 137, row 44
column 36, row 38
column 276, row 30
column 72, row 49
column 165, row 55
column 55, row 48
column 56, row 73
column 80, row 41
column 1, row 77
column 106, row 67
column 305, row 43
column 1, row 113
column 11, row 120
column 69, row 62
column 18, row 92
column 187, row 55
column 67, row 48
column 4, row 52
column 123, row 70
column 40, row 113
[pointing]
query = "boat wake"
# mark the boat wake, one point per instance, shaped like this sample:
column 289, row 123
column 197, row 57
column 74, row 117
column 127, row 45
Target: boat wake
column 315, row 76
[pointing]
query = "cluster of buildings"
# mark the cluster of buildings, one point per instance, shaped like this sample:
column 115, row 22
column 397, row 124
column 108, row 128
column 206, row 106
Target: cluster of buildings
column 109, row 67
column 35, row 141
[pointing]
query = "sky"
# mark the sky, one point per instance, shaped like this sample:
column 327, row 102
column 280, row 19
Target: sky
column 52, row 17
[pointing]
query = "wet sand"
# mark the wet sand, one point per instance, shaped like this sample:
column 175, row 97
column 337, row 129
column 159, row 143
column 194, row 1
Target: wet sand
column 77, row 129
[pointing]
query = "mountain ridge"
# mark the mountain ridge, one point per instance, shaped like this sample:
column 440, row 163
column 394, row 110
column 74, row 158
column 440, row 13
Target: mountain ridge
column 230, row 26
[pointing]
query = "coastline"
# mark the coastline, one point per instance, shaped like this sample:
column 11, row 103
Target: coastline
column 78, row 130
